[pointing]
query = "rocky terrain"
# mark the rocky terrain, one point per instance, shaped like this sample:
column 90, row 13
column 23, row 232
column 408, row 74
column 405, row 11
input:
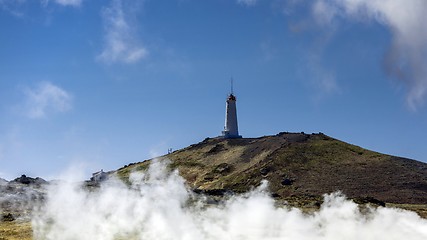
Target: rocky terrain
column 18, row 197
column 17, row 201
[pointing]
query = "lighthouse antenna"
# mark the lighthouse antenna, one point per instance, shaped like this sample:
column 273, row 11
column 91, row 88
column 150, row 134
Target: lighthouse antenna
column 232, row 86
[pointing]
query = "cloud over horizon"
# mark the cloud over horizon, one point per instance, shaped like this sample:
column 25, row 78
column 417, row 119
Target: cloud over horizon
column 407, row 56
column 46, row 98
column 121, row 43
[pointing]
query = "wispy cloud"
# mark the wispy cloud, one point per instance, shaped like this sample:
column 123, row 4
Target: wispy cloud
column 247, row 2
column 14, row 7
column 121, row 43
column 46, row 98
column 406, row 59
column 72, row 3
column 19, row 8
column 321, row 78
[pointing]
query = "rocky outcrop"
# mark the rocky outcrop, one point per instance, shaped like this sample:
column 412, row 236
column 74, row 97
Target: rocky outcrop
column 23, row 179
column 19, row 196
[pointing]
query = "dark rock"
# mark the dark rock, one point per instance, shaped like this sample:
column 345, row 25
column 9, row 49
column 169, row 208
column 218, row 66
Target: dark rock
column 8, row 217
column 371, row 200
column 287, row 182
column 209, row 178
column 264, row 171
column 275, row 195
column 223, row 168
column 29, row 180
column 213, row 192
column 23, row 179
column 217, row 148
column 296, row 137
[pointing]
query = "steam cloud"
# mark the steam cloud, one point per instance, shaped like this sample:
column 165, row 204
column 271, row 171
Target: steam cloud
column 157, row 205
column 407, row 56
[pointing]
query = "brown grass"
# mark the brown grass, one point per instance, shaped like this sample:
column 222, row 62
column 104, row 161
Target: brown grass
column 16, row 230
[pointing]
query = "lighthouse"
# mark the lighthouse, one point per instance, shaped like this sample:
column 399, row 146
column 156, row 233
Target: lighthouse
column 230, row 129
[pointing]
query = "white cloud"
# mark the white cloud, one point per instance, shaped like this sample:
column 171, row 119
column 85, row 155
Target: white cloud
column 407, row 56
column 46, row 98
column 315, row 75
column 14, row 7
column 121, row 44
column 322, row 79
column 324, row 13
column 74, row 3
column 247, row 2
column 19, row 8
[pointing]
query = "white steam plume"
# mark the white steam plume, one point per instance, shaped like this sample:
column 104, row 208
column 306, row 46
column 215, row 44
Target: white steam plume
column 407, row 56
column 158, row 206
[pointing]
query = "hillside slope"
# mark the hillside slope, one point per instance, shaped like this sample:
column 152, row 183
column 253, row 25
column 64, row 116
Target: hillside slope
column 297, row 164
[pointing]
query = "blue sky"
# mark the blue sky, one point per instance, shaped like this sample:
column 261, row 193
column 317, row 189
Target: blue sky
column 100, row 84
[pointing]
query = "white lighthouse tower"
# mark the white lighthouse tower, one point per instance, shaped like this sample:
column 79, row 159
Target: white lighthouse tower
column 230, row 129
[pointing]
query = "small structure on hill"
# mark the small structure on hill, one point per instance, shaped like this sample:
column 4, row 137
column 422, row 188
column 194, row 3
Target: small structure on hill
column 231, row 129
column 99, row 176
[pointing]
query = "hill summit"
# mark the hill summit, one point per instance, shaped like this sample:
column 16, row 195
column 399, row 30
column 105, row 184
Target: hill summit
column 296, row 165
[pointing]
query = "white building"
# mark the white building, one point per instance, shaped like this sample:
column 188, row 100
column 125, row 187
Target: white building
column 99, row 176
column 231, row 129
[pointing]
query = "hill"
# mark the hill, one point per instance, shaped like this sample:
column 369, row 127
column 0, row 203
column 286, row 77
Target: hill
column 297, row 165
